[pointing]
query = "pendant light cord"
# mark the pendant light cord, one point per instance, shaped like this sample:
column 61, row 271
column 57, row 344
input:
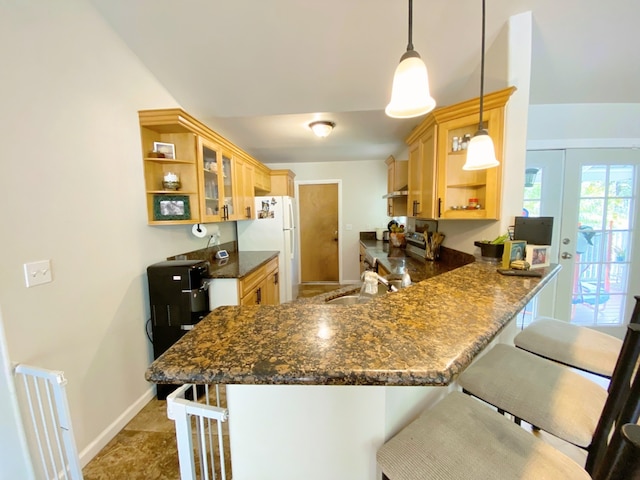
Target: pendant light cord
column 410, row 44
column 482, row 68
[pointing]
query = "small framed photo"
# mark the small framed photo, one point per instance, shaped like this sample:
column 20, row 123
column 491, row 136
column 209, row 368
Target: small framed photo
column 171, row 207
column 513, row 250
column 538, row 255
column 168, row 149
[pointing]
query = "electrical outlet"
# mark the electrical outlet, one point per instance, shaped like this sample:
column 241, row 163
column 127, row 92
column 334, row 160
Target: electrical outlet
column 37, row 273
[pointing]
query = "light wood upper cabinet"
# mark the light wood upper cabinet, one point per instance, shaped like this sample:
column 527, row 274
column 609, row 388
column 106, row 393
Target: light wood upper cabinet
column 438, row 187
column 218, row 180
column 397, row 175
column 282, row 183
column 262, row 179
column 422, row 170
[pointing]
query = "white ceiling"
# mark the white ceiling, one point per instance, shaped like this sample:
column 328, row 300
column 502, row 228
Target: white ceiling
column 258, row 71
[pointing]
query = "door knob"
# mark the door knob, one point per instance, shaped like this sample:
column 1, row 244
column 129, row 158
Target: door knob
column 566, row 241
column 566, row 255
column 335, row 236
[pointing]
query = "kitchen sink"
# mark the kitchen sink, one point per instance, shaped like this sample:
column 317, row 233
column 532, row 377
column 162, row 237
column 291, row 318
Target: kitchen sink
column 351, row 298
column 344, row 300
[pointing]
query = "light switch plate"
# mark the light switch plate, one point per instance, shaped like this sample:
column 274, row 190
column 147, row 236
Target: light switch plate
column 37, row 273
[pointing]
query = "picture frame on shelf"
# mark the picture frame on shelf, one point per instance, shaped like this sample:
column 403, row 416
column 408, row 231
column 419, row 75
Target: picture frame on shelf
column 513, row 250
column 538, row 255
column 167, row 149
column 171, row 207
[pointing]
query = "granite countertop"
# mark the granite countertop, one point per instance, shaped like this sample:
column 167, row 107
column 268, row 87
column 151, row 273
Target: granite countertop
column 237, row 265
column 423, row 335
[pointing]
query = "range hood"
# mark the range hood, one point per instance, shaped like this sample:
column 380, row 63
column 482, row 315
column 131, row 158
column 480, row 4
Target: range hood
column 403, row 192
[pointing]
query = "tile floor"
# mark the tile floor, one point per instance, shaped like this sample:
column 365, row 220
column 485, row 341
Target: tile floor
column 146, row 446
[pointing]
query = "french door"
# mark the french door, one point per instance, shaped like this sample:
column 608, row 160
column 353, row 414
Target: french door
column 595, row 230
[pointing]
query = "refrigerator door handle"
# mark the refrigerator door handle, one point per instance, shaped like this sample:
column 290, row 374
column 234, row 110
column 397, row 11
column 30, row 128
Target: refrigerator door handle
column 290, row 213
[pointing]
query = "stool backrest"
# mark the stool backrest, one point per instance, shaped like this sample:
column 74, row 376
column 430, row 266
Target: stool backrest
column 620, row 400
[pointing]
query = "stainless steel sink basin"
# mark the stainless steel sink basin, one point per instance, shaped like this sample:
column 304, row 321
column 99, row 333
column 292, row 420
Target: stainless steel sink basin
column 344, row 300
column 352, row 298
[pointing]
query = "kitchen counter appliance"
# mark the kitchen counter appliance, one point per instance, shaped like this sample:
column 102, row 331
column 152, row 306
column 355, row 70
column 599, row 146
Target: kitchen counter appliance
column 416, row 246
column 179, row 299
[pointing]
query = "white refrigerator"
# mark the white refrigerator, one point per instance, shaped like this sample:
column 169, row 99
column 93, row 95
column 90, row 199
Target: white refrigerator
column 273, row 228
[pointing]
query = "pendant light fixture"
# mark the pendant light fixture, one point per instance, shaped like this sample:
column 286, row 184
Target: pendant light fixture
column 410, row 96
column 481, row 153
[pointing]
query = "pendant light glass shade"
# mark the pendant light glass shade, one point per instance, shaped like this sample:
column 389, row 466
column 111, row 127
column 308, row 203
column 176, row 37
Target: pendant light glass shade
column 410, row 96
column 481, row 153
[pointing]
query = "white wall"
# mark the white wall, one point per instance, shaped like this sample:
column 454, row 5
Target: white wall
column 363, row 184
column 597, row 125
column 72, row 187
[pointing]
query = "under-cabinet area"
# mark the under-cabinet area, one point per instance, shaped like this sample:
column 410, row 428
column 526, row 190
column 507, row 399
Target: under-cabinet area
column 438, row 187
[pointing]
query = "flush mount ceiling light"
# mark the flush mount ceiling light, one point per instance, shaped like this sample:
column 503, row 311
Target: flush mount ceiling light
column 481, row 153
column 322, row 128
column 410, row 96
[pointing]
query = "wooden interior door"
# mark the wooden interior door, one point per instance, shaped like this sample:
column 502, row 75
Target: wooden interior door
column 319, row 259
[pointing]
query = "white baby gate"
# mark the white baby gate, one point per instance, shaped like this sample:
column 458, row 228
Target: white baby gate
column 50, row 427
column 199, row 412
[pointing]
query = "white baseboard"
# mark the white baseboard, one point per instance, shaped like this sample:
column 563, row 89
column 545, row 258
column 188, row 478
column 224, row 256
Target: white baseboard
column 91, row 450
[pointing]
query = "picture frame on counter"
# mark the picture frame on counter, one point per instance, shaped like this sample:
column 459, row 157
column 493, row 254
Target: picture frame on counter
column 167, row 149
column 171, row 207
column 538, row 255
column 513, row 250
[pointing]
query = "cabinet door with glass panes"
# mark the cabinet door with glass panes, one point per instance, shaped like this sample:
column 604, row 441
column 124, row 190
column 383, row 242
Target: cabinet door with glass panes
column 470, row 194
column 216, row 173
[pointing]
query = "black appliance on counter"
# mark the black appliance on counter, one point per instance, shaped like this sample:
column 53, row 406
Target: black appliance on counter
column 179, row 299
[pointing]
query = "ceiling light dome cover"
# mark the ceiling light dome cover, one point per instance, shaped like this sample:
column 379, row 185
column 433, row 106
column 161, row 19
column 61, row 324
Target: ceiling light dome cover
column 322, row 128
column 410, row 95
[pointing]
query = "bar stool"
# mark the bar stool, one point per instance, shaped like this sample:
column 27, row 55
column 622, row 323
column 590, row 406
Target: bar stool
column 462, row 438
column 552, row 397
column 579, row 347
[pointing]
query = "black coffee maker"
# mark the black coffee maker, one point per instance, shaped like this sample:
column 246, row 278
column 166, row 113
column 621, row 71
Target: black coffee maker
column 179, row 298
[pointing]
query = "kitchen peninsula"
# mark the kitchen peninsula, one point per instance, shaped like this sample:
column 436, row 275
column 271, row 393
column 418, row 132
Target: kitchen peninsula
column 314, row 389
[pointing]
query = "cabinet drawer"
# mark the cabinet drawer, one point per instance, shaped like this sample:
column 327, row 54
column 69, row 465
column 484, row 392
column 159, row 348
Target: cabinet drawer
column 252, row 280
column 271, row 266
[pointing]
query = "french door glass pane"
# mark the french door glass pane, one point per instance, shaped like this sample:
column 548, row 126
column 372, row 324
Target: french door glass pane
column 604, row 232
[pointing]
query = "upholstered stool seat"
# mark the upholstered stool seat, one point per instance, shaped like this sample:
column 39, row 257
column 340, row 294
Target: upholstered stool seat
column 460, row 438
column 542, row 393
column 580, row 347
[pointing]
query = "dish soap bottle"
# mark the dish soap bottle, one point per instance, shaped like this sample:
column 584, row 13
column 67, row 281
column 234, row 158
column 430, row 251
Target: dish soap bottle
column 406, row 279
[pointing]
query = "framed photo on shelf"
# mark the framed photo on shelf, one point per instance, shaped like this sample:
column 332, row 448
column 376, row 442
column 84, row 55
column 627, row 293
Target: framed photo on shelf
column 513, row 250
column 538, row 255
column 171, row 207
column 168, row 149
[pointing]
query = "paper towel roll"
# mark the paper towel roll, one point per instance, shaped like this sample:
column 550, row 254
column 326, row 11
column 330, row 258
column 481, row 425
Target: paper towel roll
column 199, row 231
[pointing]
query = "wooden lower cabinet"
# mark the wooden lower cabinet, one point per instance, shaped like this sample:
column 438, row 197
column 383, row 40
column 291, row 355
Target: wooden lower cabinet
column 261, row 286
column 382, row 271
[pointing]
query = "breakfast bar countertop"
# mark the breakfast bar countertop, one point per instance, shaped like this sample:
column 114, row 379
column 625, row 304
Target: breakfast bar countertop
column 422, row 335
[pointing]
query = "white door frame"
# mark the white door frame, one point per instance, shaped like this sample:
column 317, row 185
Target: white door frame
column 321, row 182
column 547, row 306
